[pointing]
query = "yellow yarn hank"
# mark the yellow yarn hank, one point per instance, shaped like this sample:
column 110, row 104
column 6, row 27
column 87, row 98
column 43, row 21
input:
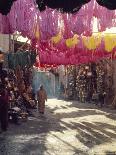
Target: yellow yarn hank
column 110, row 42
column 56, row 39
column 71, row 42
column 92, row 42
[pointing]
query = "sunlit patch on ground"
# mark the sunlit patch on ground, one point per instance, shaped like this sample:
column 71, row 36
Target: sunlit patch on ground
column 68, row 128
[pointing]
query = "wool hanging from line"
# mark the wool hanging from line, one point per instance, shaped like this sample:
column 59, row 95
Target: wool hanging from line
column 5, row 6
column 24, row 17
column 77, row 53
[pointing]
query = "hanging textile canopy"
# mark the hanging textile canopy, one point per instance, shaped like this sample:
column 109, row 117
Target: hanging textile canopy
column 27, row 19
column 62, row 38
column 78, row 50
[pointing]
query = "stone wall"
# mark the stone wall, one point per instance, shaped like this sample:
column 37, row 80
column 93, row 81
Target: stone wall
column 4, row 42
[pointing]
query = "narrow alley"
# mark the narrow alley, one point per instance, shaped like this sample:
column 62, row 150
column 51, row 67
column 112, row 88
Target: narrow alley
column 67, row 128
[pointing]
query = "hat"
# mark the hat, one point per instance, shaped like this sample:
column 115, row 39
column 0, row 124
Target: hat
column 41, row 86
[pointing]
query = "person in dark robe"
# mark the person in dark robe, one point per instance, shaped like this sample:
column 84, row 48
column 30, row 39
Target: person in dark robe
column 3, row 73
column 3, row 108
column 102, row 99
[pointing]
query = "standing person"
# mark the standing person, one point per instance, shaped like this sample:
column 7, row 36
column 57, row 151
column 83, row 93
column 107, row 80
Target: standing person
column 42, row 97
column 62, row 90
column 102, row 98
column 3, row 108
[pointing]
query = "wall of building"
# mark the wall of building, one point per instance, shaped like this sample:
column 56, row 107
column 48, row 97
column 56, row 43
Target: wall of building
column 114, row 75
column 62, row 75
column 4, row 42
column 46, row 79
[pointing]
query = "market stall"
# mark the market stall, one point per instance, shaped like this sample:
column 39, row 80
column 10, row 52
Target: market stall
column 17, row 79
column 87, row 81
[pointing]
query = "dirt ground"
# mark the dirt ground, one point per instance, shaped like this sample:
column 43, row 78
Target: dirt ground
column 67, row 128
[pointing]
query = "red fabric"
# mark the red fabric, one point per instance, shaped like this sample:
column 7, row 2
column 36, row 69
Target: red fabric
column 49, row 54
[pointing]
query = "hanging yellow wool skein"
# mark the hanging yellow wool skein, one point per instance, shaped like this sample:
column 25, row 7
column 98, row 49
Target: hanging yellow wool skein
column 37, row 33
column 110, row 42
column 56, row 39
column 71, row 42
column 36, row 30
column 92, row 42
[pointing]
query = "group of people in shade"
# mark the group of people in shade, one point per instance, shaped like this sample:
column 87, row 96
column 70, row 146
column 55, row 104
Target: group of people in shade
column 4, row 105
column 5, row 99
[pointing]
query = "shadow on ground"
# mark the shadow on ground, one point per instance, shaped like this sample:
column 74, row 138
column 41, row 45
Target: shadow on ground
column 31, row 136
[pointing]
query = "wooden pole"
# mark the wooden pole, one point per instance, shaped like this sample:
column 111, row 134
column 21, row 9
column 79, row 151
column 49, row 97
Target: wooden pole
column 23, row 45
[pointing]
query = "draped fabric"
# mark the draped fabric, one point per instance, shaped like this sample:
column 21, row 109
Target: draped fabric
column 48, row 23
column 88, row 49
column 105, row 18
column 72, row 58
column 27, row 19
column 23, row 18
column 5, row 27
column 22, row 59
column 62, row 38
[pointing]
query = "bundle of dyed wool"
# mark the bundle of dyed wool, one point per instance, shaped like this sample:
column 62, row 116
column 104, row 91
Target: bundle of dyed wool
column 5, row 6
column 69, row 6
